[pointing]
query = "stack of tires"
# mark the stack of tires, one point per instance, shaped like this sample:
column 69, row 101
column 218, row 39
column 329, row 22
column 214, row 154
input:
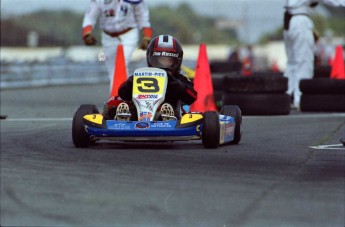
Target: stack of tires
column 225, row 66
column 218, row 89
column 258, row 94
column 322, row 71
column 322, row 94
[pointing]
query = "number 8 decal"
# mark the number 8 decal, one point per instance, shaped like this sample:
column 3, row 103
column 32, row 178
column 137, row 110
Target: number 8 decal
column 148, row 84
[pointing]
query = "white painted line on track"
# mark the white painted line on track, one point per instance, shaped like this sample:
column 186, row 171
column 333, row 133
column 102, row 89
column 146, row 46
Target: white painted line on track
column 329, row 115
column 37, row 119
column 329, row 147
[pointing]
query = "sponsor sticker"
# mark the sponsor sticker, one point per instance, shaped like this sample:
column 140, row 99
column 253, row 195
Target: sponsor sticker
column 119, row 126
column 226, row 118
column 229, row 129
column 145, row 116
column 161, row 125
column 149, row 74
column 147, row 96
column 142, row 125
column 165, row 54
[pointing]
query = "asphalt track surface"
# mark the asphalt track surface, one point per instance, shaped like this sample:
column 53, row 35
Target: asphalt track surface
column 272, row 178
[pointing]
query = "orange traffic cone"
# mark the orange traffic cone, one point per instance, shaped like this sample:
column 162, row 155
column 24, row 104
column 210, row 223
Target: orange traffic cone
column 120, row 71
column 203, row 84
column 338, row 64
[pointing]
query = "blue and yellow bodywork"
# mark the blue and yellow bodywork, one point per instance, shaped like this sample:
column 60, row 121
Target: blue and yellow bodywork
column 189, row 127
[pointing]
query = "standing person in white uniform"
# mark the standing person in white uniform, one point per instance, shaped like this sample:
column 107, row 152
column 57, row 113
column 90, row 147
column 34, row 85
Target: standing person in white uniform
column 299, row 42
column 121, row 21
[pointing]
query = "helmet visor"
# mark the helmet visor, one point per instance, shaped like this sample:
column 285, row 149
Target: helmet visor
column 164, row 62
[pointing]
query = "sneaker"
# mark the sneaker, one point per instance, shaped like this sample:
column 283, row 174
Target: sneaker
column 167, row 112
column 122, row 112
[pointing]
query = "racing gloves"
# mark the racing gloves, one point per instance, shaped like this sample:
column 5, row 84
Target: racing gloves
column 87, row 36
column 89, row 40
column 182, row 88
column 146, row 38
column 176, row 85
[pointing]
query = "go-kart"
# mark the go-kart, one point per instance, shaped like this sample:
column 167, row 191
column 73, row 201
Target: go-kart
column 149, row 87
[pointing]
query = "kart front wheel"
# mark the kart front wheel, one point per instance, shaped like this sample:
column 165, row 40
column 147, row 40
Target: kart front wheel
column 79, row 135
column 210, row 130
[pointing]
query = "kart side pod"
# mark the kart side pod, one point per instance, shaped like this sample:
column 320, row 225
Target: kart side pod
column 222, row 128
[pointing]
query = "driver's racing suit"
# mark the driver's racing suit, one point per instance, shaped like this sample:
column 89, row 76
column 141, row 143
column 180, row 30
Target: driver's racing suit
column 179, row 89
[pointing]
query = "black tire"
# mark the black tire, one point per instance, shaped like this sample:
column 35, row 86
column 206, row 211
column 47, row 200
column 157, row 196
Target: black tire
column 210, row 130
column 218, row 84
column 322, row 86
column 79, row 136
column 256, row 84
column 235, row 112
column 322, row 72
column 259, row 104
column 90, row 108
column 322, row 102
column 225, row 66
column 267, row 73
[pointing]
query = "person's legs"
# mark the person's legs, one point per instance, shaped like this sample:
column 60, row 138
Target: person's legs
column 303, row 48
column 300, row 54
column 129, row 41
column 290, row 66
column 109, row 48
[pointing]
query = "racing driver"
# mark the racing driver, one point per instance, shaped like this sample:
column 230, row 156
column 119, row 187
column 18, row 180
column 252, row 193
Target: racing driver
column 179, row 88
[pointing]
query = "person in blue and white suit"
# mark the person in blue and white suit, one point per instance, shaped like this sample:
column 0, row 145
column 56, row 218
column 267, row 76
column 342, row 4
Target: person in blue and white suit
column 121, row 21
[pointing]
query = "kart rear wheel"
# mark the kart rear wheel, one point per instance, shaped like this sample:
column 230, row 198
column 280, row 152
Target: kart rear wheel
column 234, row 111
column 210, row 130
column 79, row 135
column 92, row 109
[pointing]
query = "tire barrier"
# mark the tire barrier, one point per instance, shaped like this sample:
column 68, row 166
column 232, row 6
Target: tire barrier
column 323, row 102
column 256, row 84
column 225, row 67
column 218, row 83
column 259, row 104
column 322, row 71
column 322, row 95
column 322, row 86
column 259, row 94
column 218, row 89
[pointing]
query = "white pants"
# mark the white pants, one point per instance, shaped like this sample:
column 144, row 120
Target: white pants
column 129, row 40
column 299, row 47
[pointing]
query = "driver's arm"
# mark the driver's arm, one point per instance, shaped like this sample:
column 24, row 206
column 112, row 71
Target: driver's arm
column 126, row 88
column 184, row 89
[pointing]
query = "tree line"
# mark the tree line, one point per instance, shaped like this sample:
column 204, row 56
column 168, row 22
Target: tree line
column 63, row 28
